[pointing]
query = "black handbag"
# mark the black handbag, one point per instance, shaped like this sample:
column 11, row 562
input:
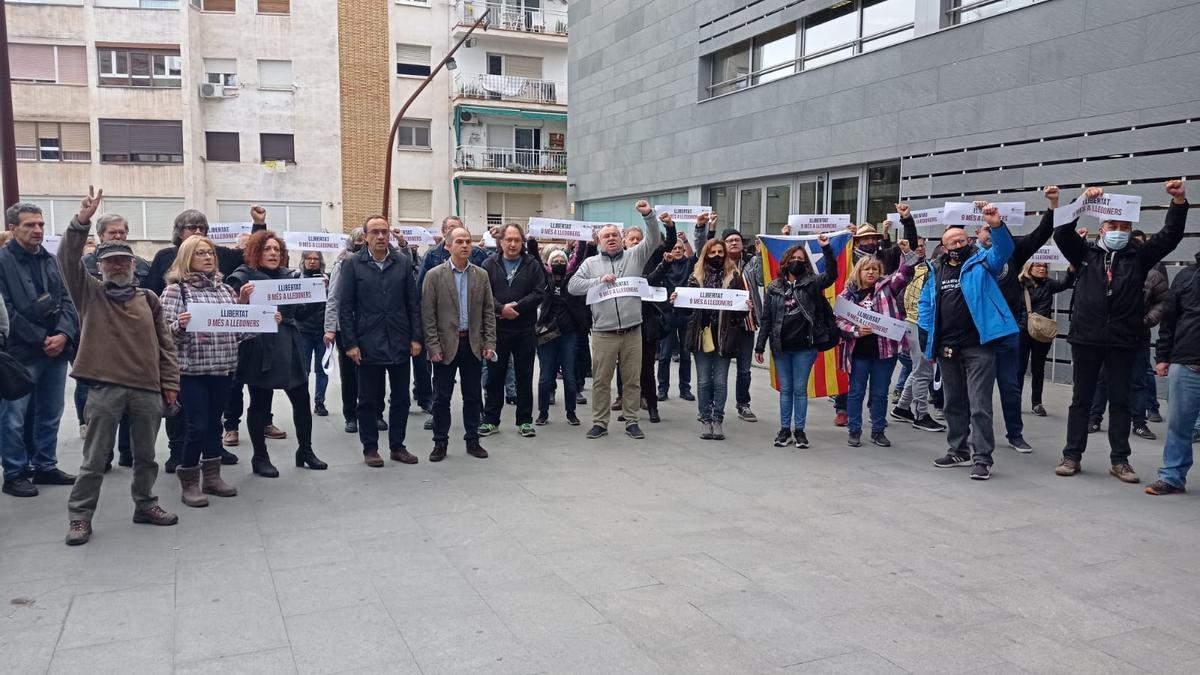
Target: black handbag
column 15, row 379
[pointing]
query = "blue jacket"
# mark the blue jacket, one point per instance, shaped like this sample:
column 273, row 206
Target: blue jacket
column 981, row 290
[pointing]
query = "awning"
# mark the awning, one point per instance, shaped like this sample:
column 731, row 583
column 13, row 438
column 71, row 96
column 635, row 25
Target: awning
column 512, row 184
column 512, row 112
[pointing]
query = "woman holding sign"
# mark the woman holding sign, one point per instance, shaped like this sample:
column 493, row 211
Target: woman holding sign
column 870, row 357
column 799, row 327
column 714, row 335
column 206, row 365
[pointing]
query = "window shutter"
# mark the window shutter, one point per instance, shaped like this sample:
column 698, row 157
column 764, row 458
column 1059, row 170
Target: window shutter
column 276, row 147
column 26, row 134
column 159, row 138
column 415, row 204
column 72, row 65
column 76, row 137
column 523, row 66
column 32, row 62
column 131, row 209
column 304, row 218
column 160, row 217
column 220, row 65
column 275, row 74
column 235, row 212
column 47, row 130
column 495, row 202
column 522, row 206
column 220, row 5
column 222, row 146
column 416, row 54
column 114, row 137
column 274, row 7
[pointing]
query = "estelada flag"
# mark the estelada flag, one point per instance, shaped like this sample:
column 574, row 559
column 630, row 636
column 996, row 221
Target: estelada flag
column 826, row 379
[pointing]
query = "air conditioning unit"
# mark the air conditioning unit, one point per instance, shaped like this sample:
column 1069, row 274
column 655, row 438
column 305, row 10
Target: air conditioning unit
column 209, row 90
column 466, row 116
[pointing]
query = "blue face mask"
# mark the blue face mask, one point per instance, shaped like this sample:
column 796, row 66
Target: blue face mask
column 1116, row 240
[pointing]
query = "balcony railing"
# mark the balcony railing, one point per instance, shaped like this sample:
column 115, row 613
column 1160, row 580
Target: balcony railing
column 35, row 155
column 512, row 16
column 510, row 160
column 509, row 88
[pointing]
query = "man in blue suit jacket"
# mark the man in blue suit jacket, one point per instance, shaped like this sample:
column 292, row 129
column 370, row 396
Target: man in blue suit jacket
column 962, row 313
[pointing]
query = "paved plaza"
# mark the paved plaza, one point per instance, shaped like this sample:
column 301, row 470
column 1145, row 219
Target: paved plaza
column 668, row 555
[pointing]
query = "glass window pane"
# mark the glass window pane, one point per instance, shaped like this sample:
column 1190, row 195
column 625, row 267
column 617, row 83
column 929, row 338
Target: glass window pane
column 829, row 28
column 772, row 50
column 730, row 63
column 721, row 200
column 422, row 137
column 121, row 63
column 881, row 15
column 883, row 191
column 750, row 214
column 990, row 10
column 779, row 201
column 843, row 196
column 887, row 40
column 810, row 197
column 831, row 57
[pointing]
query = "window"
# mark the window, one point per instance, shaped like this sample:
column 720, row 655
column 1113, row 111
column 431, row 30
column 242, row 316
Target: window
column 274, row 6
column 221, row 71
column 53, row 141
column 277, row 148
column 216, row 5
column 774, row 54
column 274, row 74
column 139, row 4
column 730, row 66
column 829, row 35
column 51, row 64
column 222, row 146
column 965, row 11
column 413, row 60
column 883, row 191
column 124, row 67
column 413, row 135
column 414, row 204
column 141, row 141
column 284, row 216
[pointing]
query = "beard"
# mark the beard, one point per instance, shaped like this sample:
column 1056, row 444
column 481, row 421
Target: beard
column 118, row 279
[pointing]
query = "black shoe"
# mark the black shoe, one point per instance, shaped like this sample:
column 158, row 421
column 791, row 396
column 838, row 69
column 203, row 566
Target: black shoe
column 951, row 460
column 1093, row 427
column 305, row 457
column 1143, row 431
column 621, row 417
column 580, row 399
column 54, row 476
column 1020, row 445
column 927, row 423
column 439, row 452
column 173, row 461
column 662, row 394
column 783, row 438
column 125, row 459
column 380, row 424
column 854, row 439
column 572, row 419
column 20, row 487
column 634, row 431
column 228, row 458
column 879, row 439
column 320, row 410
column 981, row 472
column 1153, row 416
column 428, row 424
column 597, row 431
column 654, row 418
column 352, row 426
column 687, row 396
column 1039, row 410
column 902, row 415
column 263, row 467
column 510, row 400
column 542, row 420
column 801, row 439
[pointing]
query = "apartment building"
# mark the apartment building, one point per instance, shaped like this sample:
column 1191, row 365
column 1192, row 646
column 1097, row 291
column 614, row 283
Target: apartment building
column 217, row 104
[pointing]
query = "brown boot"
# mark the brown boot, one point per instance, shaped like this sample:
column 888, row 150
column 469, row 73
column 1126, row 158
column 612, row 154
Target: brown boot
column 189, row 481
column 210, row 470
column 274, row 432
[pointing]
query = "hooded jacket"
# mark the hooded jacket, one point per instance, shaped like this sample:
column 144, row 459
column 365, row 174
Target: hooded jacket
column 1179, row 331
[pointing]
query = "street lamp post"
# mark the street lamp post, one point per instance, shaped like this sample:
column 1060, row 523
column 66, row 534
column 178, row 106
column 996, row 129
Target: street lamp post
column 387, row 167
column 8, row 133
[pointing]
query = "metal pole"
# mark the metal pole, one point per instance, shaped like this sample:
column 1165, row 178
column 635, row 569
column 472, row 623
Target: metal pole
column 387, row 167
column 8, row 133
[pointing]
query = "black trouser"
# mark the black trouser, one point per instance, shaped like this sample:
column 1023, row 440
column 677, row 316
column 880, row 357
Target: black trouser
column 1033, row 356
column 235, row 405
column 649, row 382
column 470, row 372
column 422, row 376
column 348, row 375
column 370, row 398
column 1086, row 364
column 258, row 416
column 177, row 433
column 522, row 347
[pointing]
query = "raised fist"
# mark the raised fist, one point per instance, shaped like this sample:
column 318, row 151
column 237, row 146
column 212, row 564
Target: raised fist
column 991, row 215
column 1176, row 190
column 903, row 246
column 258, row 214
column 1093, row 192
column 643, row 207
column 1051, row 192
column 902, row 209
column 823, row 240
column 666, row 218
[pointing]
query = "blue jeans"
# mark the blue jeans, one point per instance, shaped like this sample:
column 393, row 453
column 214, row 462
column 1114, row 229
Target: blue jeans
column 793, row 369
column 712, row 380
column 1008, row 366
column 877, row 373
column 745, row 358
column 906, row 367
column 1183, row 414
column 48, row 396
column 672, row 341
column 312, row 348
column 557, row 353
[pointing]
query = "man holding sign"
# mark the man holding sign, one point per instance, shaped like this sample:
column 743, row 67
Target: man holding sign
column 1108, row 310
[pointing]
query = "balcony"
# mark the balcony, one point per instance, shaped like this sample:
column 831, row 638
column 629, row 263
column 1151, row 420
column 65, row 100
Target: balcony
column 514, row 17
column 509, row 88
column 510, row 160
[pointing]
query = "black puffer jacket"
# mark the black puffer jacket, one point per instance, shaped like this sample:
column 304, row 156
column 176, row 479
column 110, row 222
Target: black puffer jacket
column 1023, row 249
column 1179, row 331
column 379, row 311
column 809, row 290
column 1041, row 296
column 270, row 360
column 1108, row 313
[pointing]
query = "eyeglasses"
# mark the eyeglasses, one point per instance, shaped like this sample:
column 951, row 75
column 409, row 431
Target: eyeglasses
column 196, row 228
column 205, row 254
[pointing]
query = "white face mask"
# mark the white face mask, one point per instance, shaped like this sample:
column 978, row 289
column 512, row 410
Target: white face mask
column 1116, row 240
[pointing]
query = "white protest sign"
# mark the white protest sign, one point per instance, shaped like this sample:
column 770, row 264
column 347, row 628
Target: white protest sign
column 1050, row 255
column 288, row 291
column 623, row 287
column 552, row 228
column 728, row 299
column 315, row 241
column 50, row 242
column 227, row 233
column 415, row 235
column 683, row 214
column 965, row 213
column 920, row 218
column 798, row 221
column 487, row 240
column 328, row 360
column 1104, row 207
column 211, row 317
column 892, row 329
column 655, row 294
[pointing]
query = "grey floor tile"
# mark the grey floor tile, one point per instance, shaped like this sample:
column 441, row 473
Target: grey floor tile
column 854, row 663
column 597, row 650
column 119, row 616
column 534, row 607
column 656, row 617
column 35, row 604
column 147, row 655
column 226, row 628
column 347, row 639
column 478, row 643
column 29, row 650
column 276, row 661
column 320, row 588
column 1155, row 650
